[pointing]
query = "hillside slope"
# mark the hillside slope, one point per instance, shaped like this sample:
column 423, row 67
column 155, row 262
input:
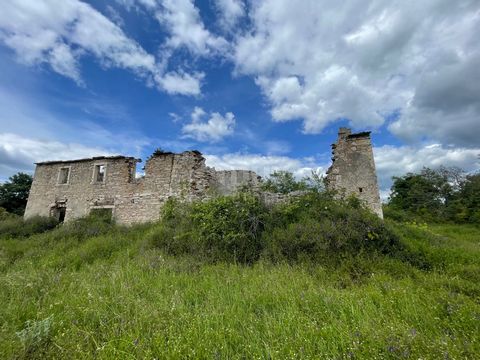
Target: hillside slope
column 110, row 295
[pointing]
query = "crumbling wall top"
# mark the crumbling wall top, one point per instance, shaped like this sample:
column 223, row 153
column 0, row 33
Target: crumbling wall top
column 95, row 158
column 359, row 135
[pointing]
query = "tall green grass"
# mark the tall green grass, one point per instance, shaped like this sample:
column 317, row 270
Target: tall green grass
column 91, row 289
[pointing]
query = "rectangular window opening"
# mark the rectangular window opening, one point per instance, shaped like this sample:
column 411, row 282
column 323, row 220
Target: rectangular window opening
column 360, row 189
column 63, row 175
column 99, row 175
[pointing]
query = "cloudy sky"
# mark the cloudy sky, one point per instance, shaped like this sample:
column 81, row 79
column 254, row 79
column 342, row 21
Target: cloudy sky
column 254, row 84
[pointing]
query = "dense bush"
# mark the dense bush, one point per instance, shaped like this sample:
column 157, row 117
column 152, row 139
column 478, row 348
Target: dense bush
column 4, row 214
column 94, row 224
column 313, row 226
column 318, row 228
column 399, row 215
column 18, row 227
column 229, row 228
column 283, row 182
column 226, row 228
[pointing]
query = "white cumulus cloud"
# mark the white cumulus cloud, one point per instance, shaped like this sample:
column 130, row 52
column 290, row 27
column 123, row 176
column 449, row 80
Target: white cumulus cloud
column 58, row 33
column 182, row 20
column 181, row 82
column 398, row 160
column 213, row 129
column 19, row 153
column 230, row 12
column 320, row 61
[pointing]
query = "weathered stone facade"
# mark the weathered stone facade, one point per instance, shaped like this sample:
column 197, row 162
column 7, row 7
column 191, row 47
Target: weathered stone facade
column 73, row 193
column 353, row 169
column 72, row 189
column 230, row 180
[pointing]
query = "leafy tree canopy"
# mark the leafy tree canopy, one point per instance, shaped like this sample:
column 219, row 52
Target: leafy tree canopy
column 283, row 182
column 14, row 193
column 441, row 194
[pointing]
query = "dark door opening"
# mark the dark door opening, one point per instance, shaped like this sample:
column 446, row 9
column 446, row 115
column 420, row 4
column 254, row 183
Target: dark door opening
column 59, row 213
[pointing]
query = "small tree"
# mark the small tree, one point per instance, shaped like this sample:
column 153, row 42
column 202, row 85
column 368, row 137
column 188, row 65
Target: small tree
column 14, row 193
column 315, row 181
column 419, row 193
column 283, row 182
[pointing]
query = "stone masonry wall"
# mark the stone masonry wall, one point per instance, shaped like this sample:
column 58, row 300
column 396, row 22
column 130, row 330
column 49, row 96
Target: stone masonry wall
column 81, row 193
column 353, row 169
column 229, row 181
column 131, row 200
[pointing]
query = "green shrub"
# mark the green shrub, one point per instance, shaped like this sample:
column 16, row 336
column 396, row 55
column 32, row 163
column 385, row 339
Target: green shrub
column 229, row 228
column 96, row 223
column 5, row 215
column 283, row 182
column 318, row 228
column 311, row 227
column 172, row 232
column 225, row 228
column 398, row 215
column 16, row 227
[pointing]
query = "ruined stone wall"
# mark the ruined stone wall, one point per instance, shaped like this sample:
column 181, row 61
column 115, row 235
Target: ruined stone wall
column 184, row 175
column 81, row 193
column 353, row 169
column 229, row 181
column 131, row 200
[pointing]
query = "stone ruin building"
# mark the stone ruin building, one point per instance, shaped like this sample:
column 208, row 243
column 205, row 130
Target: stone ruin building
column 71, row 189
column 353, row 169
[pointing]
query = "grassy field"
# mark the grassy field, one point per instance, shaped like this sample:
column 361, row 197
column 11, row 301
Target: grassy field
column 110, row 296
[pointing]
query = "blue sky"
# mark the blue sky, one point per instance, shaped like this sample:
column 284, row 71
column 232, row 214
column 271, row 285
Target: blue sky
column 262, row 85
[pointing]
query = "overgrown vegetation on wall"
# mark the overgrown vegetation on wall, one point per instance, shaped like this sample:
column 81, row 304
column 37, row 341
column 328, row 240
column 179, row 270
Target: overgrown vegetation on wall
column 312, row 226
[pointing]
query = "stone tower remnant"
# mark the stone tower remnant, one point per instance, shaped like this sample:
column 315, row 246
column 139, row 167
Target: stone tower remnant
column 353, row 169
